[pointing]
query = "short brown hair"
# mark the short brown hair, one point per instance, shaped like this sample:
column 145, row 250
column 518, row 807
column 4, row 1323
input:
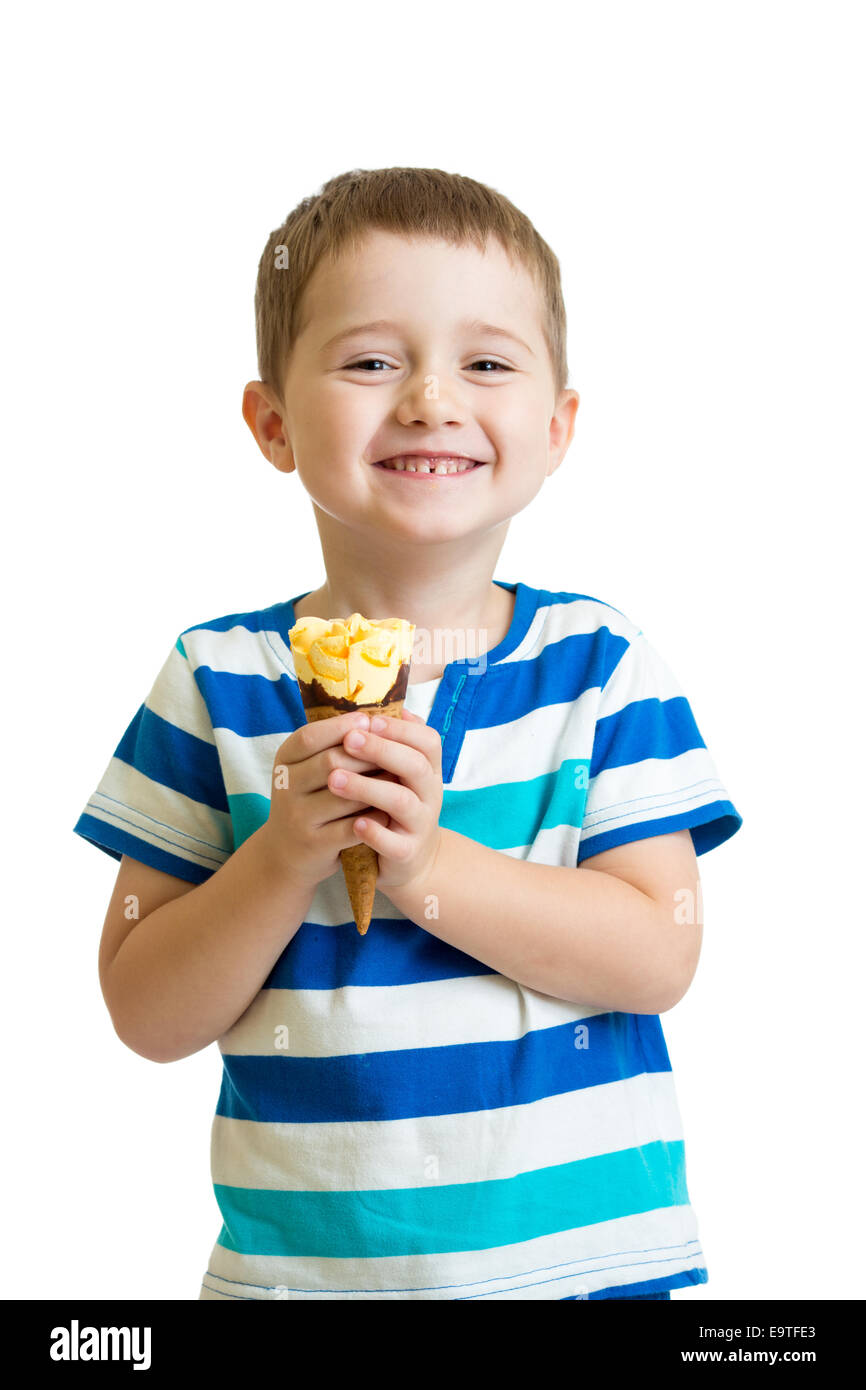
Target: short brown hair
column 414, row 202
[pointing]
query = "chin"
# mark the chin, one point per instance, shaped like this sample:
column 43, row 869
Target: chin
column 433, row 533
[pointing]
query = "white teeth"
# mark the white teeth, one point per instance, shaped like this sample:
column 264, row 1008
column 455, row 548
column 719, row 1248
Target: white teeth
column 414, row 464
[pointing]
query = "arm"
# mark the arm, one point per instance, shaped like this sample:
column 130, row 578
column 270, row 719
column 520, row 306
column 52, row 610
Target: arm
column 609, row 936
column 178, row 974
column 605, row 935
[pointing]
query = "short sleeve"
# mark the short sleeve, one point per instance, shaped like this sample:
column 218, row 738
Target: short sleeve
column 651, row 772
column 162, row 798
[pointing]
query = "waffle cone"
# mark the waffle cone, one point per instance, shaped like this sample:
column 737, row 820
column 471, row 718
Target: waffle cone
column 360, row 863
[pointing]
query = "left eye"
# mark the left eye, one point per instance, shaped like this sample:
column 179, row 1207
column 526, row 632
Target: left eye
column 357, row 366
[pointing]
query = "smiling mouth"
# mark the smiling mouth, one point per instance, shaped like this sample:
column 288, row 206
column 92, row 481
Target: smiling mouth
column 429, row 467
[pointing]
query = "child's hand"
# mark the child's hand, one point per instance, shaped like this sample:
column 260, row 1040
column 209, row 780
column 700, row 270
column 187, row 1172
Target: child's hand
column 409, row 750
column 308, row 825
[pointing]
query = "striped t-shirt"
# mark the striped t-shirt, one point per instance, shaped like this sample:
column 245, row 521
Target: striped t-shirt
column 396, row 1119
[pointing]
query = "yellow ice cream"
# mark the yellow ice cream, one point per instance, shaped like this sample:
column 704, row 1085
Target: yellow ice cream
column 356, row 658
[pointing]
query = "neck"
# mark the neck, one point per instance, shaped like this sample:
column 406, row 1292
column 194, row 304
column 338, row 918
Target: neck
column 445, row 588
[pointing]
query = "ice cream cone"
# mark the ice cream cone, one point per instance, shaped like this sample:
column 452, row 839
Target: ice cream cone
column 360, row 863
column 358, row 664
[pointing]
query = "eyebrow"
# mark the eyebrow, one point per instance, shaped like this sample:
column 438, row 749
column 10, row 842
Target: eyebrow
column 490, row 330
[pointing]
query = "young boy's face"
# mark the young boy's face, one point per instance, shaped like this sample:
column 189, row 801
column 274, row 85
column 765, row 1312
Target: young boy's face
column 429, row 381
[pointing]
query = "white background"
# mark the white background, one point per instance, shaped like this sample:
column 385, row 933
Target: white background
column 697, row 168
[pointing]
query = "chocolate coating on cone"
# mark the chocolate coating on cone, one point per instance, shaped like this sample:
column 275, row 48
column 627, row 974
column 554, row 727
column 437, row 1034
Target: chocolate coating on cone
column 313, row 694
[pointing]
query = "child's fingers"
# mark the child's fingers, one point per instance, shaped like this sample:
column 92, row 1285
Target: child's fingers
column 341, row 833
column 419, row 767
column 310, row 739
column 325, row 807
column 398, row 801
column 414, row 733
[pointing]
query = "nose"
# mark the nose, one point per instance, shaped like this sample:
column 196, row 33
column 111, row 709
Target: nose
column 428, row 400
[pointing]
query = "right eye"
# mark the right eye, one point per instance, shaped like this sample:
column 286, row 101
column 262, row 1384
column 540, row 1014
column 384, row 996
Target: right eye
column 356, row 366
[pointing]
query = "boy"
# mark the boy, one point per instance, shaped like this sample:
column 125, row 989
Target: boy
column 475, row 1100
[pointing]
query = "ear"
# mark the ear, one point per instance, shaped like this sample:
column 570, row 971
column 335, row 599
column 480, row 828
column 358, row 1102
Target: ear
column 562, row 428
column 264, row 416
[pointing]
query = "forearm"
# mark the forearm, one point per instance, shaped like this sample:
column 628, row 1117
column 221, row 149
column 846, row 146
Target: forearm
column 188, row 971
column 573, row 933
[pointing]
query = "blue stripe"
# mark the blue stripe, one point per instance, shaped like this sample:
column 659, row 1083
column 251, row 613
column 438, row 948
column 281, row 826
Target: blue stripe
column 251, row 705
column 461, row 1216
column 394, row 952
column 710, row 825
column 279, row 617
column 644, row 729
column 116, row 842
column 174, row 758
column 655, row 1288
column 649, row 1289
column 638, row 1297
column 447, row 1080
column 559, row 674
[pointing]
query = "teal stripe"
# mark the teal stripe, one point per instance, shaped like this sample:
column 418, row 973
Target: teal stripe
column 460, row 1216
column 502, row 816
column 509, row 814
column 248, row 811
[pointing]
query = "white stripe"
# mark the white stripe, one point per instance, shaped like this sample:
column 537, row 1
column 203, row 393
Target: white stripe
column 176, row 698
column 650, row 790
column 247, row 763
column 239, row 651
column 527, row 747
column 390, row 1018
column 139, row 806
column 557, row 846
column 330, row 906
column 640, row 674
column 473, row 1146
column 556, row 621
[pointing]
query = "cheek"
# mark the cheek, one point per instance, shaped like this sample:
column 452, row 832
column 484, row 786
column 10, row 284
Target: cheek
column 345, row 437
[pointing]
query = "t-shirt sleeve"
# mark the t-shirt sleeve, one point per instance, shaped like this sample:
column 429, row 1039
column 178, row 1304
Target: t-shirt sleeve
column 650, row 773
column 162, row 798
